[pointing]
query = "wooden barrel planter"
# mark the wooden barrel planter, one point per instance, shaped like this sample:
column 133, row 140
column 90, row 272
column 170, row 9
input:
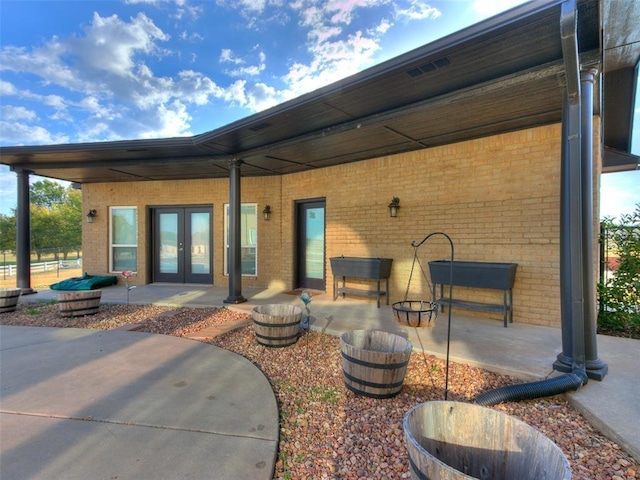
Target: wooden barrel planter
column 78, row 304
column 276, row 325
column 9, row 299
column 374, row 362
column 455, row 441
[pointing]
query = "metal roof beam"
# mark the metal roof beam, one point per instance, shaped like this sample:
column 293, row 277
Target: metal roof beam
column 137, row 162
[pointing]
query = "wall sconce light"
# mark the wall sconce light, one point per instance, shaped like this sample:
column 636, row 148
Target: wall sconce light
column 393, row 207
column 266, row 213
column 91, row 215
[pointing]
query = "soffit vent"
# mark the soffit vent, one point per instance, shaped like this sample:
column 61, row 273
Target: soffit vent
column 429, row 67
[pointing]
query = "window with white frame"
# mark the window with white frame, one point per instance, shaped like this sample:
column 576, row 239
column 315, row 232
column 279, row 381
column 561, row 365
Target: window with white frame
column 248, row 239
column 123, row 239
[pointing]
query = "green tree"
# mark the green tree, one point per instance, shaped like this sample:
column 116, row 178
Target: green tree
column 45, row 230
column 620, row 295
column 7, row 233
column 70, row 222
column 47, row 193
column 56, row 218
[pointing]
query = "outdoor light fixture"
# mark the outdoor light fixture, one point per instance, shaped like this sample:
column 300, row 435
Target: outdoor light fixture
column 393, row 207
column 91, row 215
column 266, row 213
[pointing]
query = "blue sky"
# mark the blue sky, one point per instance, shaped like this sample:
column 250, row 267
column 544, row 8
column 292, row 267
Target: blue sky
column 84, row 71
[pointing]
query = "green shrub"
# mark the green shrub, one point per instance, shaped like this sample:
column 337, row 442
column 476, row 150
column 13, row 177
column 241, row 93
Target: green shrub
column 619, row 296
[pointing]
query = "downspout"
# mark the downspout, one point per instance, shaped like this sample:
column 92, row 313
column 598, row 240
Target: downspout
column 564, row 359
column 568, row 34
column 571, row 233
column 235, row 254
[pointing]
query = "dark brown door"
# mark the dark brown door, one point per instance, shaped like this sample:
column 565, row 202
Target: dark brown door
column 182, row 245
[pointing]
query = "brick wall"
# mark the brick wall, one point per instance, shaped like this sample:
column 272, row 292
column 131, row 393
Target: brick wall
column 496, row 197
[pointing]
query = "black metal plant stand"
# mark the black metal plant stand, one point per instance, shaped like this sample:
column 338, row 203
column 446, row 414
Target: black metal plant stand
column 417, row 308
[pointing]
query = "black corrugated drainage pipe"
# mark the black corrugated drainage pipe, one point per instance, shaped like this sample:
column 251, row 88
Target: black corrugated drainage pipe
column 573, row 286
column 567, row 382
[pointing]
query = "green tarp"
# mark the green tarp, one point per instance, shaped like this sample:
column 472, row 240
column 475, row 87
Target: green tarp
column 85, row 282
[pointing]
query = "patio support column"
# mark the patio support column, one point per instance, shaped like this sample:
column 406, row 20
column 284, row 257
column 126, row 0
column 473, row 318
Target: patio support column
column 596, row 369
column 23, row 235
column 235, row 258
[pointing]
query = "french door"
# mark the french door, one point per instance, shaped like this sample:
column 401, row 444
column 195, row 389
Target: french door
column 310, row 244
column 182, row 245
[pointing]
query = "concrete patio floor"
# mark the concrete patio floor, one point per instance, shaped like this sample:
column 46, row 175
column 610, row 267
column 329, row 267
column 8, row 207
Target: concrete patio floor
column 521, row 350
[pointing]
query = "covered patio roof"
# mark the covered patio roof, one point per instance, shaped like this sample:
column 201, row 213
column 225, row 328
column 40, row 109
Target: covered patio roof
column 501, row 75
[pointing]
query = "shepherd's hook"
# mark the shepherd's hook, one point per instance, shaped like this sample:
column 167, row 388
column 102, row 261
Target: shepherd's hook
column 413, row 244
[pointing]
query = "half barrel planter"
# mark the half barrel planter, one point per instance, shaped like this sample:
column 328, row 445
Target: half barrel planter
column 460, row 441
column 78, row 304
column 277, row 325
column 374, row 362
column 9, row 299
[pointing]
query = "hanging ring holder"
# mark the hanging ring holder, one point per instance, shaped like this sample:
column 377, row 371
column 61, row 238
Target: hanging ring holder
column 414, row 312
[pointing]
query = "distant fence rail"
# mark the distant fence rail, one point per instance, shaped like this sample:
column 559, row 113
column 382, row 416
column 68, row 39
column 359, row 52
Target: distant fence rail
column 42, row 267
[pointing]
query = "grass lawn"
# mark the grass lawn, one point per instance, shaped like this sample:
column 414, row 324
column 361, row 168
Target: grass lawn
column 41, row 280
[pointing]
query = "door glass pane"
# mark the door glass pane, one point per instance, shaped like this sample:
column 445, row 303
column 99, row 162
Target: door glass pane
column 200, row 242
column 314, row 261
column 168, row 243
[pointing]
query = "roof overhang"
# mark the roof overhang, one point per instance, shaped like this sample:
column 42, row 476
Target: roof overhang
column 501, row 75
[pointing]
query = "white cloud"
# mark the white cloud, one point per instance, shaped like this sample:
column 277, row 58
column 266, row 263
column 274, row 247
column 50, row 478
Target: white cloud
column 244, row 70
column 111, row 45
column 235, row 93
column 419, row 10
column 170, row 120
column 17, row 133
column 261, row 96
column 194, row 87
column 7, row 88
column 255, row 6
column 227, row 56
column 182, row 7
column 43, row 62
column 11, row 112
column 383, row 27
column 8, row 187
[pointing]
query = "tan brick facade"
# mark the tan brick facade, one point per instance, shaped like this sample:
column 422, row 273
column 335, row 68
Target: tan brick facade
column 498, row 198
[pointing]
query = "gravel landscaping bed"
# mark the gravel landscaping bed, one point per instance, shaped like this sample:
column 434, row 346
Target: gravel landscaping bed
column 326, row 431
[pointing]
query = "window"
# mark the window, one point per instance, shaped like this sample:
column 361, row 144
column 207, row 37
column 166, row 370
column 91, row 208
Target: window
column 248, row 239
column 123, row 239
